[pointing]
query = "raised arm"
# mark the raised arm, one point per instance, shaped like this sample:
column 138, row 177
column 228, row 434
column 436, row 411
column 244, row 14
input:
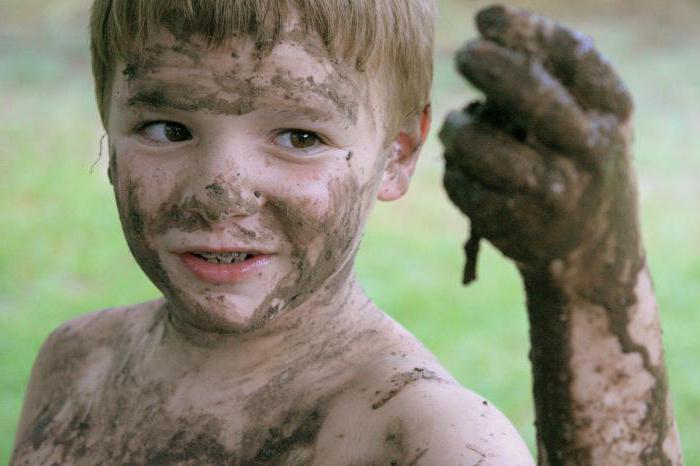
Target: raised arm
column 542, row 167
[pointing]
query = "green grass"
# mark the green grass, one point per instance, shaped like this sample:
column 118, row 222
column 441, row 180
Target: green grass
column 62, row 252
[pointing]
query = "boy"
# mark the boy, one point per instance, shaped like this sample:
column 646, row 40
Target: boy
column 248, row 141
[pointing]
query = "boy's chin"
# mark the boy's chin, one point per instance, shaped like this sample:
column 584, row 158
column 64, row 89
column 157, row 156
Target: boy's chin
column 216, row 313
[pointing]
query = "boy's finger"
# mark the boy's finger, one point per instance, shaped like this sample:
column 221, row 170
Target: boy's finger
column 536, row 101
column 493, row 157
column 569, row 55
column 488, row 210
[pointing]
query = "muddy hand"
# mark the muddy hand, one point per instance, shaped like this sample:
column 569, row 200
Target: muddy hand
column 542, row 166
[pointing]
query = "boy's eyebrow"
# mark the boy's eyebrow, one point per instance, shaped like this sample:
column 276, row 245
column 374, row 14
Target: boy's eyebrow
column 154, row 98
column 187, row 98
column 312, row 113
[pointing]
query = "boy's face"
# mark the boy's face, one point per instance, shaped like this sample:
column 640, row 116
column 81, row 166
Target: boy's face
column 243, row 182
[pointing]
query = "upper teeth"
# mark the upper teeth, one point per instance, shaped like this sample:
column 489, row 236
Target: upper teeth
column 223, row 257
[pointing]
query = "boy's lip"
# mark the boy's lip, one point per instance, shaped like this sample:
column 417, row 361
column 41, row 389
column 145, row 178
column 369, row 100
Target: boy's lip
column 221, row 250
column 223, row 274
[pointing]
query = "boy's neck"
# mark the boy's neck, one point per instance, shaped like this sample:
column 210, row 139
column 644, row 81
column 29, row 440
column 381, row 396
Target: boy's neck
column 321, row 316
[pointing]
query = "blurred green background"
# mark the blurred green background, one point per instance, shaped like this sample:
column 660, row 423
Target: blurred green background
column 62, row 252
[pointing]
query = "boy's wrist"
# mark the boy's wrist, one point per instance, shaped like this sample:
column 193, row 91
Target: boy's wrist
column 603, row 274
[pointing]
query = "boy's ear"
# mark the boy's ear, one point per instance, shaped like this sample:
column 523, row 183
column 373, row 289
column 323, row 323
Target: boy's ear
column 403, row 156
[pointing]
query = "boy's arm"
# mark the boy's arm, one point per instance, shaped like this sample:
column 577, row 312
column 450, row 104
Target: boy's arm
column 543, row 170
column 60, row 358
column 36, row 388
column 453, row 426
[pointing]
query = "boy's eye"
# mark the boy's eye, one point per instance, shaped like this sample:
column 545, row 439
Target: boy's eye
column 166, row 131
column 298, row 139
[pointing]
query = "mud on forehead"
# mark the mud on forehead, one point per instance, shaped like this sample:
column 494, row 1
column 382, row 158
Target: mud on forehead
column 236, row 78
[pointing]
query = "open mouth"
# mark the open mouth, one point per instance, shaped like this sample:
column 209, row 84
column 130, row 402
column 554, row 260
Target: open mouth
column 224, row 267
column 224, row 257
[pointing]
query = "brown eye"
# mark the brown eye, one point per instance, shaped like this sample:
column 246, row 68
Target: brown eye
column 298, row 139
column 302, row 139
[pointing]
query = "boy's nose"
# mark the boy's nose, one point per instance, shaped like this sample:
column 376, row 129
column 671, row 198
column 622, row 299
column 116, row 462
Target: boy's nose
column 220, row 185
column 220, row 200
column 224, row 199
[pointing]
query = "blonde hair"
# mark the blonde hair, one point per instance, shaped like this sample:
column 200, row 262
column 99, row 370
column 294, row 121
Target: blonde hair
column 391, row 37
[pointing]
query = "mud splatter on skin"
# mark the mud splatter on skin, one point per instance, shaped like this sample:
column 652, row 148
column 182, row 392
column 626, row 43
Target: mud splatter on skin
column 279, row 429
column 142, row 63
column 401, row 381
column 190, row 213
column 419, row 454
column 112, row 428
column 38, row 432
column 203, row 447
column 136, row 401
column 193, row 213
column 112, row 166
column 397, row 452
column 553, row 188
column 71, row 420
column 60, row 438
column 279, row 446
column 329, row 89
column 309, row 274
column 188, row 98
column 233, row 94
column 297, row 426
column 133, row 225
column 340, row 228
column 291, row 408
column 396, row 448
column 130, row 72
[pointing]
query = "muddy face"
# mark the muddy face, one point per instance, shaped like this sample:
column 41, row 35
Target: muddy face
column 220, row 149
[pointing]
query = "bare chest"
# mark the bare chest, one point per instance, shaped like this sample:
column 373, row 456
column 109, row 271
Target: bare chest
column 127, row 421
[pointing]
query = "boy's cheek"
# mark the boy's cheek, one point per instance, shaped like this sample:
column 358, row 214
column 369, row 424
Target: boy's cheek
column 134, row 226
column 154, row 180
column 323, row 243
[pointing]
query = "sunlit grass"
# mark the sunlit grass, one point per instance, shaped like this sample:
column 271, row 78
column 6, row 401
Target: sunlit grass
column 62, row 253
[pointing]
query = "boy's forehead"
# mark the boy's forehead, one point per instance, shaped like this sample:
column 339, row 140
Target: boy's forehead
column 236, row 77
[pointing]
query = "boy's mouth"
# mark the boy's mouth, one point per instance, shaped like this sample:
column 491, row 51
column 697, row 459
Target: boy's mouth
column 224, row 267
column 223, row 257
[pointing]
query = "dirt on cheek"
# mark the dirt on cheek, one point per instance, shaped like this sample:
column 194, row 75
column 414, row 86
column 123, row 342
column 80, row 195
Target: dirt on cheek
column 132, row 219
column 137, row 226
column 337, row 230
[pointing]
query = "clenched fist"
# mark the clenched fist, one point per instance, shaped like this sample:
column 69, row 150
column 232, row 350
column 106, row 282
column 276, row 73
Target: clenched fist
column 542, row 165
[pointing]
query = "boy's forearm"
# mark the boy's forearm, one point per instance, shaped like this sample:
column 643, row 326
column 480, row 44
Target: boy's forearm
column 600, row 382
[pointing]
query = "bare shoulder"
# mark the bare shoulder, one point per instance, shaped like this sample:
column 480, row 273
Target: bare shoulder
column 66, row 348
column 406, row 408
column 445, row 423
column 71, row 353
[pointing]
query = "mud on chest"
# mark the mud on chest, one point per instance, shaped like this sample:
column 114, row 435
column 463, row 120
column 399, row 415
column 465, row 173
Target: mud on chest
column 67, row 433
